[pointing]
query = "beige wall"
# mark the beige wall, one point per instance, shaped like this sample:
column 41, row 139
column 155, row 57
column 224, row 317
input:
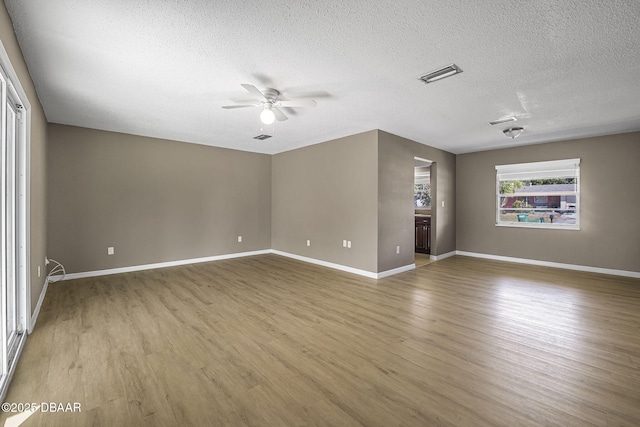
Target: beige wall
column 610, row 230
column 358, row 188
column 153, row 200
column 327, row 193
column 396, row 217
column 38, row 153
column 395, row 204
column 156, row 200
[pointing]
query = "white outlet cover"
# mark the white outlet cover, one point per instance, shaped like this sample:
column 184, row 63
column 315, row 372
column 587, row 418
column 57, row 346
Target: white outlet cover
column 110, row 250
column 349, row 244
column 308, row 242
column 344, row 243
column 239, row 239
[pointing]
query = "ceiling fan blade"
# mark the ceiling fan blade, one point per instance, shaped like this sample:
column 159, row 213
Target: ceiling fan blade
column 254, row 91
column 280, row 116
column 298, row 103
column 241, row 106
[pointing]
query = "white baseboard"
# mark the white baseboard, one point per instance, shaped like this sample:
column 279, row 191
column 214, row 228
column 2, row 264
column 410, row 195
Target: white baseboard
column 341, row 267
column 396, row 271
column 335, row 266
column 443, row 256
column 34, row 316
column 372, row 275
column 132, row 268
column 586, row 268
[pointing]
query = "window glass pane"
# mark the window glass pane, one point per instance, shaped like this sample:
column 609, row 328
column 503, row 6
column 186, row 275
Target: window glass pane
column 538, row 198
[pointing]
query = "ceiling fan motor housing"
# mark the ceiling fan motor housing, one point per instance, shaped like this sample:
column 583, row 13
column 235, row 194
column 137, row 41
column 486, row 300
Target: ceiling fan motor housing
column 271, row 95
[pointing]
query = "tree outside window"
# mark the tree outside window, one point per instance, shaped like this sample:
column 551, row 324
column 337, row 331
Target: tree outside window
column 422, row 195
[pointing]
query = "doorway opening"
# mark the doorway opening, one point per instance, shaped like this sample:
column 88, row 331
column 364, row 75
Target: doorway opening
column 422, row 197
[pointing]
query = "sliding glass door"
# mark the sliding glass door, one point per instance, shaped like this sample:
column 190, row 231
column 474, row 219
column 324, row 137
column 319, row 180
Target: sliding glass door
column 12, row 228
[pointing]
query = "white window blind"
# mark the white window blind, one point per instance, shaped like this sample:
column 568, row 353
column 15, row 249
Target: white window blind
column 539, row 170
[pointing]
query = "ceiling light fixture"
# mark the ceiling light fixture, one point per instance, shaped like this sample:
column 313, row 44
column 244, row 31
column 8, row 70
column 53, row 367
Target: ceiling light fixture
column 513, row 132
column 267, row 116
column 505, row 120
column 442, row 73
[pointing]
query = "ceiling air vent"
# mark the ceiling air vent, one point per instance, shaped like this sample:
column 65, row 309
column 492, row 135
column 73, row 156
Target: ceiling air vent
column 262, row 137
column 505, row 120
column 442, row 73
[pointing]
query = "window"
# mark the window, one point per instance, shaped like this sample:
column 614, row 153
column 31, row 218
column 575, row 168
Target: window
column 539, row 195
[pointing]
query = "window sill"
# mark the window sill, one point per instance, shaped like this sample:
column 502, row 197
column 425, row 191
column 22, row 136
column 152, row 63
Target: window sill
column 547, row 226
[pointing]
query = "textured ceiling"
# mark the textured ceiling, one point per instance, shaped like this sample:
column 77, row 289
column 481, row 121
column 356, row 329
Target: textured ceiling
column 565, row 69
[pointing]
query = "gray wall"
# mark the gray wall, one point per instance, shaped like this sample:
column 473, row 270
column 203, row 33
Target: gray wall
column 38, row 228
column 327, row 193
column 153, row 200
column 395, row 204
column 157, row 200
column 358, row 188
column 609, row 177
column 396, row 213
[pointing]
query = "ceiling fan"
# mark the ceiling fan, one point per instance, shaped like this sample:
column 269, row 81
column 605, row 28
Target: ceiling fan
column 268, row 101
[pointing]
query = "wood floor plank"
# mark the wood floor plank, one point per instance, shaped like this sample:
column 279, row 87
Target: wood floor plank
column 268, row 340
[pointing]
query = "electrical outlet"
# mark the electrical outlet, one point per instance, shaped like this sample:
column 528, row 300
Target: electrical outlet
column 308, row 242
column 443, row 203
column 344, row 243
column 110, row 250
column 38, row 271
column 349, row 244
column 397, row 249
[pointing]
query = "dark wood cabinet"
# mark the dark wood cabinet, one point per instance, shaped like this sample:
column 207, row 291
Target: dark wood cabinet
column 423, row 235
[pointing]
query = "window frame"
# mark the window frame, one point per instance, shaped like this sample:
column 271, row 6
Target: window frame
column 538, row 170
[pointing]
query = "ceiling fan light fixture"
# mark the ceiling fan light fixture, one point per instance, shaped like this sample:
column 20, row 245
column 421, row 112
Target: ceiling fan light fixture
column 513, row 132
column 268, row 100
column 267, row 116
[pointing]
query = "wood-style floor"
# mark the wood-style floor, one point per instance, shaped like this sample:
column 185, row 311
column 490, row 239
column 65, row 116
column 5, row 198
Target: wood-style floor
column 269, row 341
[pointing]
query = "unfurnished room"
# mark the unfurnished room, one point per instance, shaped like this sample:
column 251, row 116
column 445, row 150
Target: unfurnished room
column 339, row 213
